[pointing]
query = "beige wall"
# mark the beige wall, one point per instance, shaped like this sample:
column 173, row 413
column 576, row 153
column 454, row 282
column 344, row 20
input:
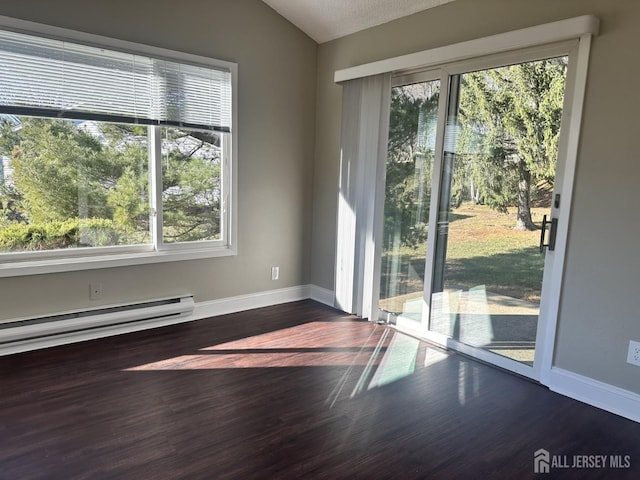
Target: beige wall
column 277, row 73
column 277, row 99
column 600, row 310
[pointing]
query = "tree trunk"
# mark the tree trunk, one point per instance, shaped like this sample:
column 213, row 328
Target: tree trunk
column 475, row 192
column 524, row 222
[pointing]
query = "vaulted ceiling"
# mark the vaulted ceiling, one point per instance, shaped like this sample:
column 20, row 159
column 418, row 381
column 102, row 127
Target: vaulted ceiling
column 325, row 20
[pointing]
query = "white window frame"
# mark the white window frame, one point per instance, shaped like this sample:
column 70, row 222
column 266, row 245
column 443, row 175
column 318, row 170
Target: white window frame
column 52, row 261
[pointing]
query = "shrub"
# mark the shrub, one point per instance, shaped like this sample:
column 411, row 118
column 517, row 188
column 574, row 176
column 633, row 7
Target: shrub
column 93, row 232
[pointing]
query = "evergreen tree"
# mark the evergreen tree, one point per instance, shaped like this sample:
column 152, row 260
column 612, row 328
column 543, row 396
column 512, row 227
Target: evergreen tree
column 412, row 128
column 509, row 122
column 64, row 170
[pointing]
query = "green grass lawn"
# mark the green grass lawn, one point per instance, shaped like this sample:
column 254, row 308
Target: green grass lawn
column 483, row 249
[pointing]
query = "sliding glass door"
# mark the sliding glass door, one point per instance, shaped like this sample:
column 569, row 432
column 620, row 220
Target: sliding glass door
column 472, row 205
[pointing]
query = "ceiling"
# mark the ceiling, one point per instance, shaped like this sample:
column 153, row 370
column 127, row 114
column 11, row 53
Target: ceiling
column 325, row 20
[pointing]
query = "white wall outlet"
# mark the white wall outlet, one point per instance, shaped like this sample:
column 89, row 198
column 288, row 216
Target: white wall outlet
column 95, row 291
column 633, row 357
column 275, row 273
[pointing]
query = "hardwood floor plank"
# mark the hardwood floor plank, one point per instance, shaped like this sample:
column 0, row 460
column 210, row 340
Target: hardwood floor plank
column 293, row 391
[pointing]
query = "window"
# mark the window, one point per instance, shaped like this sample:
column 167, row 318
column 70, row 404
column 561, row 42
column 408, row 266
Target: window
column 120, row 153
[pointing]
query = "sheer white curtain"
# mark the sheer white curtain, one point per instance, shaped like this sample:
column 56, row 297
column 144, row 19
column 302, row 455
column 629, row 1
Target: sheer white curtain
column 363, row 151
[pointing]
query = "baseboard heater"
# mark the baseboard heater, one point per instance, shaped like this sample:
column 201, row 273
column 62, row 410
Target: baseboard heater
column 76, row 326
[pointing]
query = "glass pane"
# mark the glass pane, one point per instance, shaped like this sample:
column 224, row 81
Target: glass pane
column 191, row 190
column 501, row 145
column 71, row 184
column 412, row 133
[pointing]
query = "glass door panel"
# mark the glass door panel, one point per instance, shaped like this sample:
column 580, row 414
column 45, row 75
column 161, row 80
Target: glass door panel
column 497, row 182
column 412, row 133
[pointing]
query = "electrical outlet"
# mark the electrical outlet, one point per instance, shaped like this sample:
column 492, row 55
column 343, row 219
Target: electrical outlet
column 95, row 291
column 633, row 357
column 275, row 273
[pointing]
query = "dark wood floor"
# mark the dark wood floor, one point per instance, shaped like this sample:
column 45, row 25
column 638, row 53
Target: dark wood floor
column 292, row 391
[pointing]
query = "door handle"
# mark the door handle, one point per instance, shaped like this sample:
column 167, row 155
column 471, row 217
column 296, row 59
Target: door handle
column 552, row 226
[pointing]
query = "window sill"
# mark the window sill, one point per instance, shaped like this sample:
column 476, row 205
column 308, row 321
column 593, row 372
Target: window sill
column 71, row 264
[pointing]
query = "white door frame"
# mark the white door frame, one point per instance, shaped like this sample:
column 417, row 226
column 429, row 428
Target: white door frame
column 461, row 57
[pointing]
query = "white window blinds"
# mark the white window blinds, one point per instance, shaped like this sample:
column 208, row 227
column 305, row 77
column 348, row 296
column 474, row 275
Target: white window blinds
column 45, row 77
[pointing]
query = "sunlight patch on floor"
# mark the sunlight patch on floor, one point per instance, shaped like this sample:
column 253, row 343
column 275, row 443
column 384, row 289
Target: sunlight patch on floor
column 372, row 355
column 250, row 359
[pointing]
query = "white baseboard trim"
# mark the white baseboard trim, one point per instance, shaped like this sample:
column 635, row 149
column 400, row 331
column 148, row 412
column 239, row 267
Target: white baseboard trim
column 323, row 295
column 224, row 306
column 598, row 394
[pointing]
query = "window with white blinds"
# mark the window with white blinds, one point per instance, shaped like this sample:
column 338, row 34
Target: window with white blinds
column 112, row 152
column 47, row 77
